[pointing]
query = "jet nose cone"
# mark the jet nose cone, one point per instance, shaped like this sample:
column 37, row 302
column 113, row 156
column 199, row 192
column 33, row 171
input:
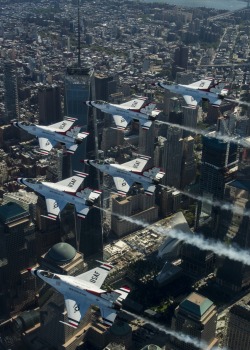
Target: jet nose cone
column 19, row 180
column 88, row 103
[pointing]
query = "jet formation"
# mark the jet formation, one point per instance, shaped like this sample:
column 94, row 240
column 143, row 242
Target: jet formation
column 84, row 290
column 137, row 109
column 48, row 136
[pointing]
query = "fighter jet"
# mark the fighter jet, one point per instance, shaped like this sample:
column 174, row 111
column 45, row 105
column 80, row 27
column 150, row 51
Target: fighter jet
column 84, row 290
column 124, row 113
column 126, row 174
column 58, row 194
column 205, row 89
column 48, row 136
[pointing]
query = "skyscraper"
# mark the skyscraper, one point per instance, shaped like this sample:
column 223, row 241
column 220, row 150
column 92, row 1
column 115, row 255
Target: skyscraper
column 232, row 275
column 195, row 316
column 218, row 165
column 237, row 335
column 49, row 104
column 76, row 91
column 17, row 251
column 10, row 92
column 172, row 157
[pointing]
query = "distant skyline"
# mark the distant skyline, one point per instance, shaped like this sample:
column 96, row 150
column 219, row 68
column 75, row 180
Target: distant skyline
column 216, row 4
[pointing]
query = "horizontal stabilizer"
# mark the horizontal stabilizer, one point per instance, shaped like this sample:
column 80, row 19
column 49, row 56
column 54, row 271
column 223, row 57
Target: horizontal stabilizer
column 123, row 291
column 147, row 125
column 154, row 173
column 49, row 216
column 69, row 324
column 108, row 315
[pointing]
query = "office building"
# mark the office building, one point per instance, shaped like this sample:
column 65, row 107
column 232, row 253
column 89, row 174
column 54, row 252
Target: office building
column 139, row 207
column 10, row 92
column 17, row 251
column 233, row 276
column 49, row 104
column 190, row 116
column 236, row 333
column 219, row 164
column 147, row 143
column 172, row 157
column 195, row 316
column 188, row 168
column 169, row 201
column 110, row 138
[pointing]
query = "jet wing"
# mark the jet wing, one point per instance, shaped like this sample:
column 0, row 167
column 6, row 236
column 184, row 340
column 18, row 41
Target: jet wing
column 134, row 104
column 97, row 275
column 71, row 184
column 190, row 101
column 54, row 208
column 136, row 165
column 121, row 122
column 122, row 185
column 108, row 315
column 64, row 125
column 46, row 145
column 76, row 309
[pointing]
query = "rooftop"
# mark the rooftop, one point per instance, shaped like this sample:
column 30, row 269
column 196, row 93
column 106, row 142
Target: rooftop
column 196, row 304
column 11, row 211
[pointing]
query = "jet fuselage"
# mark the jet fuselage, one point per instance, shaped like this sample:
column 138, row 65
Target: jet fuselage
column 118, row 170
column 47, row 132
column 49, row 190
column 195, row 92
column 122, row 111
column 74, row 287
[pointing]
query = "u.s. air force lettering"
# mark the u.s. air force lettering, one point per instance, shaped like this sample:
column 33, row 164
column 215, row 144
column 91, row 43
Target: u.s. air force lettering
column 94, row 277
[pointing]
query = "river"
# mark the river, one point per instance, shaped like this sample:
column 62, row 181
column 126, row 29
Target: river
column 216, row 4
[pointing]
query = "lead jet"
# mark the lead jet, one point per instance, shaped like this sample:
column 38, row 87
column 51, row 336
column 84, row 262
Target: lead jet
column 58, row 194
column 124, row 113
column 84, row 290
column 126, row 174
column 205, row 89
column 48, row 136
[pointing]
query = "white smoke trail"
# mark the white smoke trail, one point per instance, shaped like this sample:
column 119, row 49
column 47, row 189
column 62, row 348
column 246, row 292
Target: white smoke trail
column 221, row 204
column 239, row 102
column 197, row 240
column 178, row 335
column 234, row 139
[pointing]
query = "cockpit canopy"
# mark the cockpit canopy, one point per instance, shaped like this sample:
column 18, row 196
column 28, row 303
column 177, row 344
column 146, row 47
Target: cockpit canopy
column 49, row 274
column 102, row 162
column 33, row 181
column 100, row 102
column 26, row 124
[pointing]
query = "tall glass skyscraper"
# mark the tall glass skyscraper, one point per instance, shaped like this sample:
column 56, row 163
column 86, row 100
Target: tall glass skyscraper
column 76, row 91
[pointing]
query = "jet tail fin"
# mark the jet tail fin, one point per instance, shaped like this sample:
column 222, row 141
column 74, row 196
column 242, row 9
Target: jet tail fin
column 123, row 291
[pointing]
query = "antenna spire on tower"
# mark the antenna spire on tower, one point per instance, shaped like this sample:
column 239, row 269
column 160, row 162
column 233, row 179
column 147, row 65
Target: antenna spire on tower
column 79, row 37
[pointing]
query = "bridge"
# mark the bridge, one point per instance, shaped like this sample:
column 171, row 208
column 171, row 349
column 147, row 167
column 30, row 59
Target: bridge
column 229, row 13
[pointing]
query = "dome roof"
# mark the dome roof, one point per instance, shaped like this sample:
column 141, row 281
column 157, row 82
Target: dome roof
column 62, row 253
